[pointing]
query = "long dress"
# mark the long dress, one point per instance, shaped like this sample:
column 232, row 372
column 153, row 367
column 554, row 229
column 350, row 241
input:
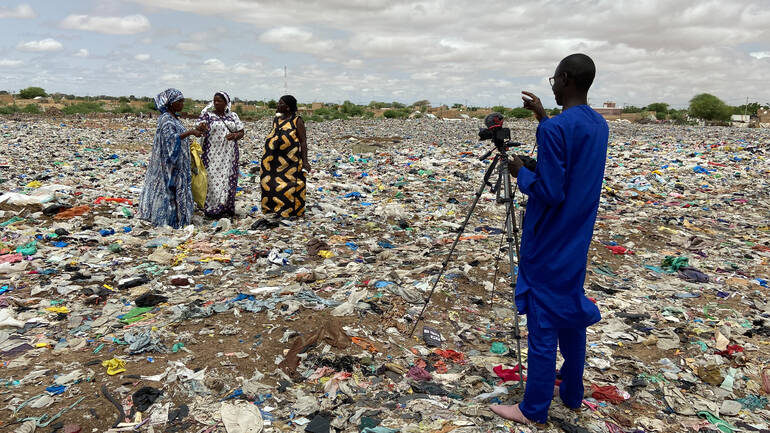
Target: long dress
column 282, row 178
column 166, row 197
column 220, row 156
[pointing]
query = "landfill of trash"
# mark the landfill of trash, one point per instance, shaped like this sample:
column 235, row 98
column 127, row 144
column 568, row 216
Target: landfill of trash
column 255, row 325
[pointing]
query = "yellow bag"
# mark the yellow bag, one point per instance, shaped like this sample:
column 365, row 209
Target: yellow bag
column 200, row 179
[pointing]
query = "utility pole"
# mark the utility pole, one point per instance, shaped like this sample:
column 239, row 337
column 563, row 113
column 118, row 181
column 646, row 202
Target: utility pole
column 746, row 107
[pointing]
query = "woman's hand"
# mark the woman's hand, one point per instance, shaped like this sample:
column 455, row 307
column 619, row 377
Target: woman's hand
column 203, row 127
column 195, row 132
column 306, row 165
column 231, row 136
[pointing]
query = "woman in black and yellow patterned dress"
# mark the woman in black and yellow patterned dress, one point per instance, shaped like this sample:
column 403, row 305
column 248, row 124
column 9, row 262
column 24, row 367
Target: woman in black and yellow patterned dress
column 285, row 158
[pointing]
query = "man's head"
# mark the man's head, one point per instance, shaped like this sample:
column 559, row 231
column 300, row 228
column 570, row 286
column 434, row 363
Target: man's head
column 573, row 77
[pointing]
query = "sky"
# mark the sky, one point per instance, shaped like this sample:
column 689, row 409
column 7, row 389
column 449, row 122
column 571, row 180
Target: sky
column 445, row 51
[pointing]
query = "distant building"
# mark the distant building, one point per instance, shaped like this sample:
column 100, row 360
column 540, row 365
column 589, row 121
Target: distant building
column 609, row 109
column 740, row 120
column 764, row 117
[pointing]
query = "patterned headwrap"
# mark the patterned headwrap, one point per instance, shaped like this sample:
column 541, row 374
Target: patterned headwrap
column 166, row 98
column 224, row 95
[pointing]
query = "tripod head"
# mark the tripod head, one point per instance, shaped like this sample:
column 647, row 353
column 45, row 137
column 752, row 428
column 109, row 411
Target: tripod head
column 501, row 147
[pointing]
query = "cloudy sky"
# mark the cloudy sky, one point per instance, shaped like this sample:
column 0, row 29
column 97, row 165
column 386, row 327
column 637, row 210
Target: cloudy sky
column 446, row 51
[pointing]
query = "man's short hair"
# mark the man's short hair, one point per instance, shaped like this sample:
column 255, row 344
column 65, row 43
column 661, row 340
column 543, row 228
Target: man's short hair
column 581, row 69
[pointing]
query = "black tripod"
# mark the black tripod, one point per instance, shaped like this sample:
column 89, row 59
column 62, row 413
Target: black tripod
column 500, row 162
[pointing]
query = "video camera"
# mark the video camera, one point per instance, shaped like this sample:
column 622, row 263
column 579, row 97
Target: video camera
column 494, row 130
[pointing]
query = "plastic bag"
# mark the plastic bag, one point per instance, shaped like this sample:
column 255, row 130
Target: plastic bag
column 200, row 179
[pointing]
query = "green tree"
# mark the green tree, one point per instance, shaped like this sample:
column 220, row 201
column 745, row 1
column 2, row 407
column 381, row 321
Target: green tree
column 520, row 113
column 750, row 109
column 658, row 107
column 395, row 104
column 631, row 109
column 500, row 109
column 351, row 109
column 457, row 106
column 272, row 104
column 239, row 110
column 396, row 114
column 32, row 92
column 123, row 100
column 708, row 107
column 554, row 111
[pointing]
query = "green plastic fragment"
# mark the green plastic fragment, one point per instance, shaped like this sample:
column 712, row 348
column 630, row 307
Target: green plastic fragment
column 498, row 347
column 28, row 249
column 14, row 219
column 135, row 314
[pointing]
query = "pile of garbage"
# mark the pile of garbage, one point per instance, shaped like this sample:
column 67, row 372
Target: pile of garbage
column 251, row 324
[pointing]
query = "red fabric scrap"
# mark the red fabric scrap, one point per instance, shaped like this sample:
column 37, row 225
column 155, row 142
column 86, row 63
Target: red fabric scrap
column 607, row 393
column 507, row 374
column 451, row 355
column 731, row 349
column 114, row 199
column 617, row 249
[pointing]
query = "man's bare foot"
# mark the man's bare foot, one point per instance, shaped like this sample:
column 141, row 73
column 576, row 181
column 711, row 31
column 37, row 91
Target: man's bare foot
column 512, row 413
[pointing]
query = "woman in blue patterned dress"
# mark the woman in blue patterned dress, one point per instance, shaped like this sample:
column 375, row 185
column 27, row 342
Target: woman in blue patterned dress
column 167, row 194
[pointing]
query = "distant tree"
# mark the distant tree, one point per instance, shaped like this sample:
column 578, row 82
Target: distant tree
column 396, row 114
column 749, row 109
column 272, row 104
column 239, row 109
column 631, row 109
column 457, row 106
column 554, row 111
column 500, row 109
column 658, row 107
column 3, row 92
column 132, row 98
column 708, row 107
column 421, row 103
column 123, row 100
column 520, row 113
column 351, row 109
column 395, row 104
column 32, row 92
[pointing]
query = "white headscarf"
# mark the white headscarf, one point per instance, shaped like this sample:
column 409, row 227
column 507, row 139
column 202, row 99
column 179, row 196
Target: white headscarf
column 211, row 104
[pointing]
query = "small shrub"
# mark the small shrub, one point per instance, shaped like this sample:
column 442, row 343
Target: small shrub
column 31, row 109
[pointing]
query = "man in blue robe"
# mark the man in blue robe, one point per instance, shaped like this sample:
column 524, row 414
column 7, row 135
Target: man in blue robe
column 563, row 200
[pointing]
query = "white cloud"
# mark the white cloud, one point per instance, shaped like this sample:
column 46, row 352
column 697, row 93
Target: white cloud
column 127, row 25
column 47, row 44
column 21, row 11
column 296, row 39
column 171, row 77
column 142, row 57
column 10, row 63
column 451, row 51
column 190, row 46
column 82, row 53
column 214, row 65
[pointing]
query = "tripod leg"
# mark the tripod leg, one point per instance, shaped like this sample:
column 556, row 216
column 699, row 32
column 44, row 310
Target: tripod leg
column 512, row 235
column 497, row 263
column 454, row 244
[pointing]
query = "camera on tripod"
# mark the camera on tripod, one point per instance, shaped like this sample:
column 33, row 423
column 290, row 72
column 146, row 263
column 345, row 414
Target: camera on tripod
column 494, row 130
